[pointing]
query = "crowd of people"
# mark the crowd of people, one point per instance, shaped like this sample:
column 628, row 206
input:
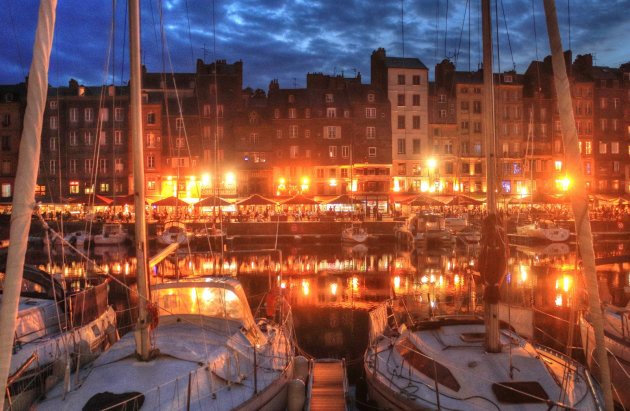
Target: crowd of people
column 557, row 212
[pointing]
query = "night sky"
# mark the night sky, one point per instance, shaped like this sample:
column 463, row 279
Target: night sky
column 285, row 39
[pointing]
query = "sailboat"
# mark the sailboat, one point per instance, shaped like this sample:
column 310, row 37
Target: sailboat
column 417, row 359
column 196, row 344
column 617, row 342
column 45, row 328
column 54, row 331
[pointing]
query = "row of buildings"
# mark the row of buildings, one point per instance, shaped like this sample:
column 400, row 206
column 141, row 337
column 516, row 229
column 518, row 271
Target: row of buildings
column 401, row 133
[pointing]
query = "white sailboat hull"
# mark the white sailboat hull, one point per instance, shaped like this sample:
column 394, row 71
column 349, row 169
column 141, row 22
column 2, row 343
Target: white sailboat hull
column 400, row 371
column 617, row 342
column 534, row 232
column 188, row 370
column 52, row 351
column 354, row 235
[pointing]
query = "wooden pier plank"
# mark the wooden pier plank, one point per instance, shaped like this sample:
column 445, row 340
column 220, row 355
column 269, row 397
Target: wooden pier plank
column 328, row 390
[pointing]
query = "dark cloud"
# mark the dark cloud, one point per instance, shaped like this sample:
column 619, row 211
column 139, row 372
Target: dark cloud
column 285, row 39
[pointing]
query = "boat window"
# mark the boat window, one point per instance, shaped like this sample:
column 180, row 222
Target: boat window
column 473, row 337
column 206, row 301
column 426, row 365
column 517, row 392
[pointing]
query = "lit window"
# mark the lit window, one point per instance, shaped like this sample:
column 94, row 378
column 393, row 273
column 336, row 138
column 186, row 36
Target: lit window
column 74, row 187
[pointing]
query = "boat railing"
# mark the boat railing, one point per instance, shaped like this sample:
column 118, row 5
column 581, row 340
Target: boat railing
column 434, row 388
column 577, row 368
column 190, row 391
column 405, row 390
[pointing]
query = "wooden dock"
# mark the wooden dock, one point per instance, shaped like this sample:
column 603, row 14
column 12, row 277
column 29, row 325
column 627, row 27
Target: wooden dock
column 328, row 388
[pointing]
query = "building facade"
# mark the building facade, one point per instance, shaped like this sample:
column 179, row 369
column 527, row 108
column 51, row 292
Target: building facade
column 85, row 143
column 406, row 82
column 12, row 103
column 204, row 134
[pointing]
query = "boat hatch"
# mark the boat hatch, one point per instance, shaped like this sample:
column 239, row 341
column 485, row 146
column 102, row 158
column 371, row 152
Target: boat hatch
column 107, row 400
column 426, row 365
column 518, row 392
column 473, row 337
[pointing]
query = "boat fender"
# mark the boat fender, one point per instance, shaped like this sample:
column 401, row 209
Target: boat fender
column 296, row 395
column 300, row 368
column 112, row 334
column 58, row 371
column 85, row 354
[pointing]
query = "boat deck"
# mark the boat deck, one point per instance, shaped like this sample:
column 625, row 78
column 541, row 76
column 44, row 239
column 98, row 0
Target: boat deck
column 328, row 386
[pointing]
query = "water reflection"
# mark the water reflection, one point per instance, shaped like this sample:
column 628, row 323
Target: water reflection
column 331, row 288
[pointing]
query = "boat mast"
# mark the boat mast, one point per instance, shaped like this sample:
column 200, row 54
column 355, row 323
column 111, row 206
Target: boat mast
column 25, row 179
column 491, row 308
column 143, row 342
column 579, row 199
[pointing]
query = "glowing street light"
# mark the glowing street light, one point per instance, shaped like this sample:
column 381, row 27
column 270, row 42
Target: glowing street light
column 230, row 178
column 564, row 183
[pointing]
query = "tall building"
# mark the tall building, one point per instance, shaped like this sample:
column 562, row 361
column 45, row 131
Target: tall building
column 444, row 138
column 85, row 143
column 197, row 123
column 331, row 138
column 204, row 134
column 12, row 103
column 406, row 82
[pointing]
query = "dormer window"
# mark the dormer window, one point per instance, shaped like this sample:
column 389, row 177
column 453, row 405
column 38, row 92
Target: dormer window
column 291, row 98
column 371, row 98
column 329, row 98
column 508, row 78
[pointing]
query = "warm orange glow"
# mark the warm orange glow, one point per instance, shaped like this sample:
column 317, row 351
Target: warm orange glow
column 355, row 284
column 230, row 178
column 305, row 183
column 523, row 269
column 396, row 185
column 333, row 288
column 396, row 282
column 332, row 182
column 565, row 282
column 432, row 164
column 205, row 179
column 564, row 183
column 306, row 287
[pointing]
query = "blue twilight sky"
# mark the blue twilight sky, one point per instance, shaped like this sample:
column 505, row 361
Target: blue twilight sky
column 285, row 39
